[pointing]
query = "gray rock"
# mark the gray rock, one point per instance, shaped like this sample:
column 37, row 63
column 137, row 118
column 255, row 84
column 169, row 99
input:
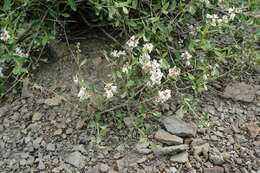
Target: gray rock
column 214, row 170
column 240, row 92
column 121, row 164
column 167, row 138
column 179, row 127
column 69, row 131
column 173, row 170
column 142, row 148
column 25, row 90
column 50, row 147
column 182, row 157
column 179, row 114
column 170, row 150
column 76, row 159
column 41, row 165
column 216, row 157
column 200, row 147
column 129, row 121
column 36, row 116
column 103, row 168
column 257, row 70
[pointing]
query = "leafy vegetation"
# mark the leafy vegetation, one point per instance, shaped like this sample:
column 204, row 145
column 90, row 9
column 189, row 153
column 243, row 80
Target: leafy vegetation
column 171, row 46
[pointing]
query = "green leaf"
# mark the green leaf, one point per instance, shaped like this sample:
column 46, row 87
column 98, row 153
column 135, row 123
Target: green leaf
column 7, row 5
column 125, row 10
column 192, row 9
column 66, row 15
column 72, row 4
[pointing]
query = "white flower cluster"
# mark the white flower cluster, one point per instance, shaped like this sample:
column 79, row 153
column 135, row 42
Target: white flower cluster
column 152, row 67
column 110, row 90
column 19, row 52
column 186, row 57
column 125, row 68
column 148, row 47
column 214, row 19
column 4, row 35
column 163, row 96
column 132, row 42
column 232, row 12
column 83, row 94
column 204, row 1
column 117, row 54
column 174, row 72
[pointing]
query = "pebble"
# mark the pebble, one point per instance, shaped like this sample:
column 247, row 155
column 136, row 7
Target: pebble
column 103, row 168
column 170, row 150
column 50, row 147
column 214, row 170
column 57, row 132
column 76, row 159
column 36, row 116
column 180, row 158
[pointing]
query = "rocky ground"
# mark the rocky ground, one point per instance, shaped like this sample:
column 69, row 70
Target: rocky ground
column 36, row 136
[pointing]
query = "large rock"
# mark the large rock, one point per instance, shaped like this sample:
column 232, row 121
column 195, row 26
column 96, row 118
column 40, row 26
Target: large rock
column 182, row 157
column 167, row 138
column 170, row 150
column 240, row 92
column 179, row 127
column 76, row 159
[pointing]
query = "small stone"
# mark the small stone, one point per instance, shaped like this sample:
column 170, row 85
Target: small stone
column 36, row 116
column 216, row 169
column 50, row 147
column 129, row 121
column 76, row 159
column 179, row 127
column 231, row 139
column 41, row 165
column 169, row 150
column 69, row 131
column 104, row 168
column 173, row 170
column 121, row 164
column 25, row 90
column 80, row 125
column 142, row 160
column 58, row 132
column 188, row 165
column 179, row 114
column 167, row 138
column 117, row 156
column 180, row 158
column 216, row 157
column 240, row 92
column 252, row 129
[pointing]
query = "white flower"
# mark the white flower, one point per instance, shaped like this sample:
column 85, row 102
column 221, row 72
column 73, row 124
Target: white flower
column 83, row 93
column 186, row 56
column 125, row 68
column 117, row 54
column 132, row 42
column 110, row 90
column 155, row 78
column 1, row 72
column 205, row 77
column 163, row 96
column 76, row 79
column 173, row 72
column 19, row 52
column 225, row 19
column 148, row 47
column 4, row 36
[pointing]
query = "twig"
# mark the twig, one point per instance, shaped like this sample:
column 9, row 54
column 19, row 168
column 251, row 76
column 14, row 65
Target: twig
column 91, row 26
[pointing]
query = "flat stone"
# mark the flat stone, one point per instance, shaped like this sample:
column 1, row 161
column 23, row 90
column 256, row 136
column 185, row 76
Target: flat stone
column 80, row 125
column 50, row 147
column 121, row 164
column 182, row 157
column 179, row 127
column 41, row 165
column 240, row 92
column 167, row 138
column 216, row 169
column 58, row 132
column 253, row 129
column 76, row 159
column 170, row 150
column 103, row 168
column 36, row 116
